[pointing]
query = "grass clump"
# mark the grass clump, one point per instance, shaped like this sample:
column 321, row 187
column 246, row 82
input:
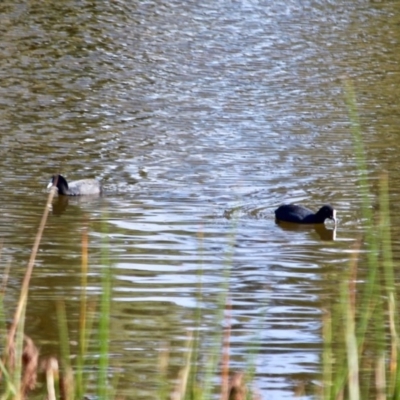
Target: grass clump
column 20, row 366
column 360, row 332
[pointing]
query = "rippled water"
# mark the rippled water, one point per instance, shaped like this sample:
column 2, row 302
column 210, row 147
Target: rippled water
column 200, row 118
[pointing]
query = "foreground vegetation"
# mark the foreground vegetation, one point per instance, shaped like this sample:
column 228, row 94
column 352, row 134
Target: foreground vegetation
column 360, row 331
column 21, row 363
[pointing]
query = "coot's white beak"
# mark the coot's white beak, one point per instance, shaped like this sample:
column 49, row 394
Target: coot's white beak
column 50, row 185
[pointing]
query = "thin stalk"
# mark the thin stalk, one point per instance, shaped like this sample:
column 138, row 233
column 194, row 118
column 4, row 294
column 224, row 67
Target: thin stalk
column 349, row 307
column 340, row 329
column 192, row 384
column 389, row 279
column 352, row 356
column 10, row 390
column 3, row 319
column 225, row 354
column 371, row 240
column 212, row 363
column 181, row 390
column 380, row 378
column 63, row 332
column 19, row 348
column 27, row 278
column 386, row 239
column 394, row 387
column 104, row 334
column 255, row 346
column 327, row 356
column 83, row 333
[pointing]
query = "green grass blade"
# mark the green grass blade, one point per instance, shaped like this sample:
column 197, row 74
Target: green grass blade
column 105, row 302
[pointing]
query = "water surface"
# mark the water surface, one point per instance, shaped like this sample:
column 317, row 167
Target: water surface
column 200, row 119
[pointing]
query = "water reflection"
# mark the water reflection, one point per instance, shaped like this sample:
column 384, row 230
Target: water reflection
column 323, row 232
column 61, row 203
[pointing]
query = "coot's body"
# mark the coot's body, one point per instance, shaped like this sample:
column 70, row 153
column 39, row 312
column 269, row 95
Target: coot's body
column 302, row 215
column 83, row 187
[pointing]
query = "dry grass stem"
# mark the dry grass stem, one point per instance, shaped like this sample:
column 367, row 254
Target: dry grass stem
column 380, row 381
column 67, row 384
column 30, row 362
column 28, row 273
column 237, row 387
column 180, row 389
column 52, row 375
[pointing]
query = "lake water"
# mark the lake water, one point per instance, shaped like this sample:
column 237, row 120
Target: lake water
column 200, row 118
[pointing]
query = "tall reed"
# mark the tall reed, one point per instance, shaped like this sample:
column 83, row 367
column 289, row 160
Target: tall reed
column 360, row 358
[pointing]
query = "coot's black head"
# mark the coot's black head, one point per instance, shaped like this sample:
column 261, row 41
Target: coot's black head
column 326, row 211
column 60, row 183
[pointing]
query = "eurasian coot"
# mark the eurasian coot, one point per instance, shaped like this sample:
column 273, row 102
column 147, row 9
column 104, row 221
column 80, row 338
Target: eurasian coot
column 76, row 188
column 302, row 215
